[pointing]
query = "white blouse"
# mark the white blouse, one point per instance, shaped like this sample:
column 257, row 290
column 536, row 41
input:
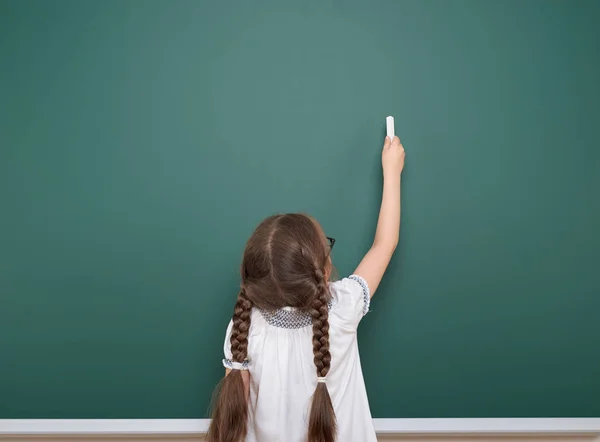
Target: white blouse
column 283, row 376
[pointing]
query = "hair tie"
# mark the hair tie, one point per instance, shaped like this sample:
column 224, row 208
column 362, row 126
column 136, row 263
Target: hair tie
column 239, row 365
column 321, row 380
column 232, row 365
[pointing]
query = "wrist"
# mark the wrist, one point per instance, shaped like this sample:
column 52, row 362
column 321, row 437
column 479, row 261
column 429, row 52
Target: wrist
column 392, row 176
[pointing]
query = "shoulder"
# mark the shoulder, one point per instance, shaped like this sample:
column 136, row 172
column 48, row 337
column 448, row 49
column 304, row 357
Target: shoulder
column 351, row 289
column 351, row 299
column 257, row 324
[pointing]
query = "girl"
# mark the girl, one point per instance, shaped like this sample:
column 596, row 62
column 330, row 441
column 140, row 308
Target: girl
column 293, row 371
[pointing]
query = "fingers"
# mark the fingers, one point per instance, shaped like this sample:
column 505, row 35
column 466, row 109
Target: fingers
column 391, row 142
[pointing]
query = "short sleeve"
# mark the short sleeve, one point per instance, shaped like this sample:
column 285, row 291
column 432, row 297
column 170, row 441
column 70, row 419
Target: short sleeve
column 227, row 344
column 227, row 360
column 350, row 299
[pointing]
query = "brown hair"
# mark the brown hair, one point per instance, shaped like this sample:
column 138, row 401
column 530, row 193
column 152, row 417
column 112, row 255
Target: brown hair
column 285, row 263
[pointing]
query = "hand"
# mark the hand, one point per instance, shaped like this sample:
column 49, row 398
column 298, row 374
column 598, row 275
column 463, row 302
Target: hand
column 392, row 157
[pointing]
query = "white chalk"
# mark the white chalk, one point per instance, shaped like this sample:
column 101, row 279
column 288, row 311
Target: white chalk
column 389, row 121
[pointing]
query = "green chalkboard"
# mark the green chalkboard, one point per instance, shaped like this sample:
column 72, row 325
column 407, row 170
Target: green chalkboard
column 142, row 140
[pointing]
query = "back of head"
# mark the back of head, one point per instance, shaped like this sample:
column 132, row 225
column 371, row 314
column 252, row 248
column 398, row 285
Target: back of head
column 286, row 263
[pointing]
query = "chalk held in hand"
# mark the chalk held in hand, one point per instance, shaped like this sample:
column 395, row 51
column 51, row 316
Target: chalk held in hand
column 390, row 127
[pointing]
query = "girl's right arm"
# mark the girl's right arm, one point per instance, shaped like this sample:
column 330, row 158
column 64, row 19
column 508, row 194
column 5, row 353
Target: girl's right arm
column 373, row 265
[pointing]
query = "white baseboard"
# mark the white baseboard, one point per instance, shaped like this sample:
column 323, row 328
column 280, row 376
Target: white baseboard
column 382, row 426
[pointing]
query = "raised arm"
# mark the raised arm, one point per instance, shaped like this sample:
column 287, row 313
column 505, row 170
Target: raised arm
column 375, row 262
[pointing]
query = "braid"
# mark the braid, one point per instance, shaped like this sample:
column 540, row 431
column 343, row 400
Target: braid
column 241, row 326
column 230, row 409
column 321, row 422
column 320, row 324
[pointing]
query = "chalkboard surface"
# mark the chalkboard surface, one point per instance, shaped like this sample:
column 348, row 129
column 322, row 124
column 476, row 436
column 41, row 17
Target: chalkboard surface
column 142, row 141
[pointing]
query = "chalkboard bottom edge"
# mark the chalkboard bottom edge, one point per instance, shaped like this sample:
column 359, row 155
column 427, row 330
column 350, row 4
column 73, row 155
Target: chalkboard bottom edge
column 382, row 426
